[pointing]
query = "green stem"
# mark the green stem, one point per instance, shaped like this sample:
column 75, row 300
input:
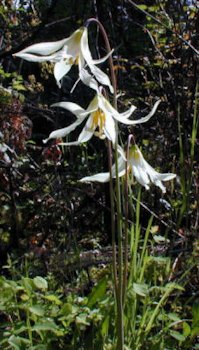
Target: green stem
column 125, row 274
column 114, row 259
column 118, row 285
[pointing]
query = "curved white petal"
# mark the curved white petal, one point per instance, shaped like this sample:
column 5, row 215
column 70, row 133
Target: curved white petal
column 88, row 80
column 92, row 107
column 101, row 177
column 128, row 113
column 103, row 59
column 73, row 143
column 98, row 73
column 121, row 167
column 159, row 184
column 73, row 44
column 141, row 175
column 86, row 51
column 148, row 116
column 156, row 175
column 109, row 128
column 101, row 76
column 81, row 61
column 59, row 133
column 126, row 121
column 85, row 47
column 72, row 107
column 87, row 131
column 34, row 58
column 45, row 48
column 166, row 176
column 61, row 69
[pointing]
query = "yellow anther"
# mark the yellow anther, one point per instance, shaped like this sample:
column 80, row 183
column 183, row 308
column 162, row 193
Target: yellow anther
column 98, row 120
column 73, row 61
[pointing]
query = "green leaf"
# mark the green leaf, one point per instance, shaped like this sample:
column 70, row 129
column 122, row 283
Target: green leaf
column 81, row 319
column 39, row 347
column 195, row 313
column 173, row 286
column 105, row 326
column 153, row 8
column 174, row 317
column 18, row 342
column 66, row 309
column 45, row 326
column 98, row 292
column 194, row 332
column 186, row 329
column 141, row 289
column 37, row 310
column 40, row 283
column 142, row 7
column 53, row 298
column 178, row 336
column 27, row 283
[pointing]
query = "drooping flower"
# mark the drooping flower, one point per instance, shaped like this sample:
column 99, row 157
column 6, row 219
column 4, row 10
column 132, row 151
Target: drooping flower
column 65, row 53
column 138, row 167
column 101, row 120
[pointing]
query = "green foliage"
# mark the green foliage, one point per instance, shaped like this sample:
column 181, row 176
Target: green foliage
column 35, row 316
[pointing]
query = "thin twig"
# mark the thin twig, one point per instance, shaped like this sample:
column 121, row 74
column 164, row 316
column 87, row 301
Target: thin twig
column 163, row 25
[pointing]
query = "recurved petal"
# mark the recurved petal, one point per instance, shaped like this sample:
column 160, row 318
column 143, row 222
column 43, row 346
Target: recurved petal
column 35, row 58
column 121, row 167
column 151, row 114
column 166, row 176
column 159, row 184
column 139, row 121
column 103, row 59
column 128, row 113
column 59, row 133
column 141, row 175
column 85, row 47
column 109, row 128
column 101, row 177
column 88, row 80
column 45, row 48
column 101, row 76
column 155, row 174
column 72, row 107
column 61, row 68
column 87, row 131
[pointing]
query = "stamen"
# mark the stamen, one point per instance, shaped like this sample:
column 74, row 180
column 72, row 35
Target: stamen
column 74, row 61
column 98, row 121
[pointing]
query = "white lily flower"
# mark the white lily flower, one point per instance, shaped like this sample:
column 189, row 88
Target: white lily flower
column 65, row 53
column 101, row 115
column 139, row 168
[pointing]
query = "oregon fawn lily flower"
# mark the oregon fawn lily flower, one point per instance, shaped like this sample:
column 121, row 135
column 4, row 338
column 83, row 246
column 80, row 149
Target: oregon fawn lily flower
column 138, row 166
column 101, row 117
column 65, row 53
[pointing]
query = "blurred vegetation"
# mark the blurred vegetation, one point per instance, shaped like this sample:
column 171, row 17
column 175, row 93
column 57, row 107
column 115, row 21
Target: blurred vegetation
column 54, row 227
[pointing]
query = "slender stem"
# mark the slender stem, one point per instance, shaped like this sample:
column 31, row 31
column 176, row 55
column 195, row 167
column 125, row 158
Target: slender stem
column 120, row 259
column 114, row 258
column 126, row 208
column 119, row 289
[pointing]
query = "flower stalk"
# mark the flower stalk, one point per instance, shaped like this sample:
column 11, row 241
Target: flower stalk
column 118, row 282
